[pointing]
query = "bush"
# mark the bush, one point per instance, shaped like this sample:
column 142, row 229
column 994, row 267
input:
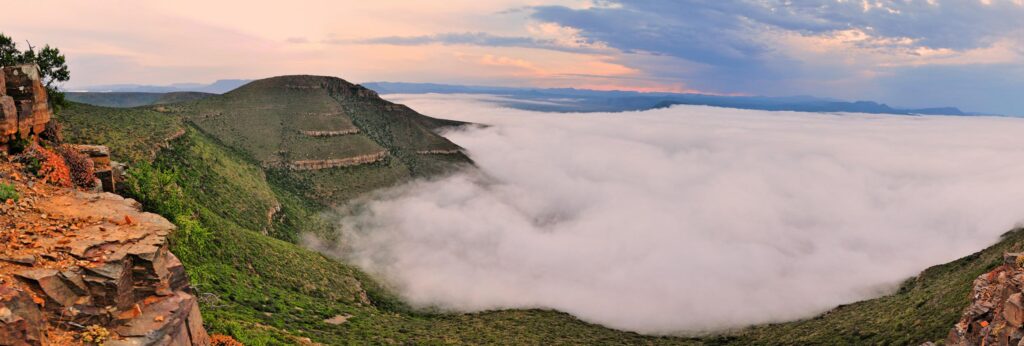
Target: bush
column 18, row 145
column 157, row 189
column 51, row 167
column 80, row 165
column 7, row 192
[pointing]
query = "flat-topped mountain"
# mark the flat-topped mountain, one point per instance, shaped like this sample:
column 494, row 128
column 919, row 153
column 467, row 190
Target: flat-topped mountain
column 336, row 138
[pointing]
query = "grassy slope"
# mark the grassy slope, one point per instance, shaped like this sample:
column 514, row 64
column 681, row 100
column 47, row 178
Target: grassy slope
column 181, row 96
column 269, row 291
column 132, row 99
column 132, row 133
column 114, row 99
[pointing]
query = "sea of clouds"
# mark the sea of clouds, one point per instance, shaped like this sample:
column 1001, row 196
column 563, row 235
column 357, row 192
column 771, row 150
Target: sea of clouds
column 688, row 219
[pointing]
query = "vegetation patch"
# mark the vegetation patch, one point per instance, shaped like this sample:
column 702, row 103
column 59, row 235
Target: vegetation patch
column 8, row 193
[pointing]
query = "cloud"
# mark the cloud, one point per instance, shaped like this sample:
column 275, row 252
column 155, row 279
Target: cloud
column 781, row 48
column 687, row 219
column 722, row 31
column 480, row 39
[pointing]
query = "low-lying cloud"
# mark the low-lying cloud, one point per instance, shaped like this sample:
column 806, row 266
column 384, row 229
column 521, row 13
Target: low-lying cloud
column 688, row 219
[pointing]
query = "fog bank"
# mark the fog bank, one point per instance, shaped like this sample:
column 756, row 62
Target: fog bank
column 687, row 219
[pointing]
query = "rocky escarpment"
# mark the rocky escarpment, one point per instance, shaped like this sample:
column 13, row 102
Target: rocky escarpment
column 333, row 133
column 75, row 263
column 996, row 313
column 308, row 165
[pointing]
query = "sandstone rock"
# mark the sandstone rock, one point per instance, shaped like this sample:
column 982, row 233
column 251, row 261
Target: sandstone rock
column 49, row 283
column 21, row 321
column 23, row 84
column 23, row 259
column 8, row 117
column 1013, row 311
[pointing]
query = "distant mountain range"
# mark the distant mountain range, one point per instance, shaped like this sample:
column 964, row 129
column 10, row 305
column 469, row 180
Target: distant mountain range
column 582, row 100
column 535, row 99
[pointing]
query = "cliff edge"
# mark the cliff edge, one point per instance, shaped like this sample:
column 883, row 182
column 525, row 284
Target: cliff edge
column 78, row 266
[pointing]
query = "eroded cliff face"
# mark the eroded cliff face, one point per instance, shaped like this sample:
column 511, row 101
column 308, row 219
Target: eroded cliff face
column 71, row 259
column 996, row 313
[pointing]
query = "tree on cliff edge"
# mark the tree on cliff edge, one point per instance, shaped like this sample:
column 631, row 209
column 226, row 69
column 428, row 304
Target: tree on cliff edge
column 53, row 67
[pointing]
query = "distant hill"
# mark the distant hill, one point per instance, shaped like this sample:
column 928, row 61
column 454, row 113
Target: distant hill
column 581, row 100
column 134, row 99
column 217, row 87
column 334, row 138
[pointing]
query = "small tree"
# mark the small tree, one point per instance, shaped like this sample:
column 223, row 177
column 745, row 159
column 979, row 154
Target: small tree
column 53, row 67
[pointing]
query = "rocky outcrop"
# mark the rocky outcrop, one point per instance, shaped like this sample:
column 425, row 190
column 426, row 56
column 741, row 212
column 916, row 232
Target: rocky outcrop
column 24, row 108
column 345, row 132
column 996, row 313
column 308, row 165
column 104, row 169
column 439, row 152
column 73, row 259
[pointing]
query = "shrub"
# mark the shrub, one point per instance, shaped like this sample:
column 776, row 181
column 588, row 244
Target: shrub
column 18, row 145
column 80, row 166
column 157, row 190
column 51, row 167
column 95, row 335
column 7, row 192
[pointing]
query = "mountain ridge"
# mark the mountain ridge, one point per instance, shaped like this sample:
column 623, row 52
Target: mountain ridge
column 585, row 101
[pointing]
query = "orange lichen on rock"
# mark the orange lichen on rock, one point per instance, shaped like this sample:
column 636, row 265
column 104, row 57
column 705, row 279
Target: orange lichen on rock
column 223, row 340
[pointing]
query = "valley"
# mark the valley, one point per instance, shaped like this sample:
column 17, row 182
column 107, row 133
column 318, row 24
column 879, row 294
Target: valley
column 223, row 179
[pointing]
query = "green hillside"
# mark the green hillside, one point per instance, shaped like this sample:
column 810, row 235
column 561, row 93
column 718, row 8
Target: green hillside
column 133, row 99
column 240, row 214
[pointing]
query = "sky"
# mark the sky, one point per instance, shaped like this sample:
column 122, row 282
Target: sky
column 908, row 53
column 687, row 219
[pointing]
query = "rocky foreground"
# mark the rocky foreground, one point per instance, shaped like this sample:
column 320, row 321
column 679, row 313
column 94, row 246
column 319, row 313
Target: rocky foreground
column 996, row 313
column 88, row 268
